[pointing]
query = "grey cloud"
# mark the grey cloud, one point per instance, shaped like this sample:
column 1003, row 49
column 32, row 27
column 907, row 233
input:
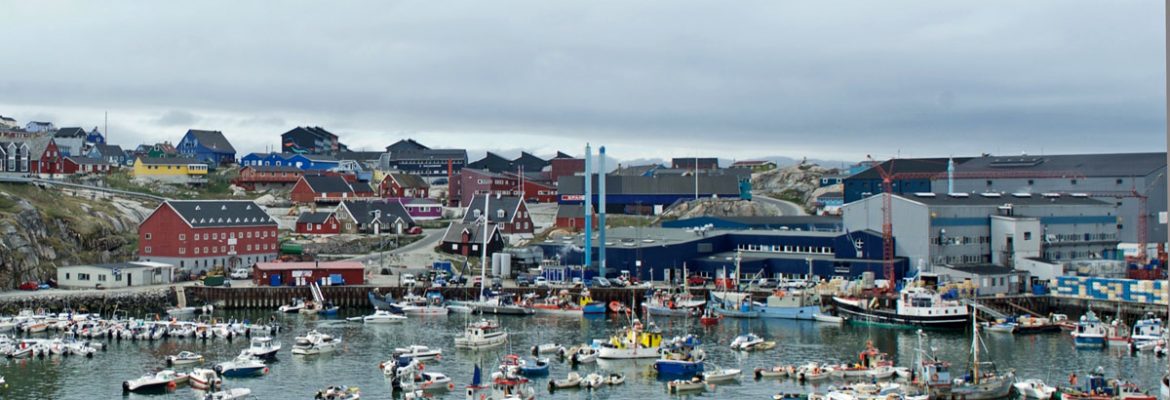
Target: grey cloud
column 177, row 118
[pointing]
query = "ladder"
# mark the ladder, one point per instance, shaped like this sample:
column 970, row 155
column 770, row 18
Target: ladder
column 984, row 309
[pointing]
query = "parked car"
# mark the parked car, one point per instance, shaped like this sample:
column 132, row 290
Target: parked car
column 414, row 230
column 457, row 280
column 696, row 280
column 30, row 286
column 477, row 282
column 577, row 282
column 540, row 282
column 407, row 280
column 600, row 282
column 523, row 281
column 497, row 283
column 241, row 273
column 440, row 282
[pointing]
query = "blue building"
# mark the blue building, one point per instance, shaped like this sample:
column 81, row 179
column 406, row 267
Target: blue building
column 869, row 181
column 95, row 137
column 207, row 146
column 790, row 223
column 650, row 253
column 306, row 162
column 651, row 194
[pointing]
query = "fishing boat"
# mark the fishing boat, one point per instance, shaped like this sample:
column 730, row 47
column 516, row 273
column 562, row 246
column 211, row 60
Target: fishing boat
column 1098, row 387
column 984, row 382
column 635, row 341
column 1089, row 332
column 1001, row 327
column 184, row 358
column 1034, row 389
column 734, row 305
column 315, row 342
column 421, row 353
column 681, row 357
column 560, row 304
column 203, row 379
column 686, row 385
column 242, row 366
column 1148, row 329
column 751, row 342
column 664, row 303
column 1027, row 324
column 338, row 393
column 491, row 303
column 588, row 305
column 619, row 308
column 482, row 334
column 792, row 304
column 433, row 381
column 228, row 394
column 915, row 306
column 429, row 305
column 503, row 386
column 263, row 347
column 722, row 375
column 871, row 363
column 159, row 382
column 1117, row 333
column 933, row 372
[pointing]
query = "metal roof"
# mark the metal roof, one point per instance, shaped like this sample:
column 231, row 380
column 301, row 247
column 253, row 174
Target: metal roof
column 509, row 204
column 911, row 165
column 999, row 199
column 454, row 232
column 391, row 211
column 328, row 184
column 214, row 140
column 1089, row 165
column 725, row 185
column 219, row 213
column 167, row 161
column 318, row 217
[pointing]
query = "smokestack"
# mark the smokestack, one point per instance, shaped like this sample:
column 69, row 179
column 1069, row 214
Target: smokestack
column 588, row 205
column 601, row 211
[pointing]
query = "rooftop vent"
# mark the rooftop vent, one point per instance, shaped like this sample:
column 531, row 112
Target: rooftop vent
column 1051, row 195
column 925, row 194
column 959, row 195
column 991, row 195
column 196, row 207
column 1022, row 195
column 1021, row 161
column 1080, row 195
column 223, row 207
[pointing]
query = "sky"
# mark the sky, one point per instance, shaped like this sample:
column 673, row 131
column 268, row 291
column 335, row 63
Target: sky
column 649, row 79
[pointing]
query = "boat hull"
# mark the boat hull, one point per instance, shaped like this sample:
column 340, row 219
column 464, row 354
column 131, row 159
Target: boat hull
column 858, row 314
column 674, row 369
column 243, row 372
column 612, row 353
column 736, row 313
column 669, row 312
column 802, row 313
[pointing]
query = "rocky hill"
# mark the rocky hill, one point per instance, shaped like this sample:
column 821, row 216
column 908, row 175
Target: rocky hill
column 42, row 228
column 799, row 183
column 719, row 208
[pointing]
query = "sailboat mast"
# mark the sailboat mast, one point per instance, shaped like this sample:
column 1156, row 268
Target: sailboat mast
column 975, row 344
column 738, row 256
column 483, row 260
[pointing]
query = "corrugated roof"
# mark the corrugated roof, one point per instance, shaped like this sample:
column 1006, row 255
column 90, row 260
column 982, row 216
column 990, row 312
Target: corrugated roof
column 410, row 181
column 167, row 161
column 272, row 168
column 977, row 199
column 362, row 211
column 70, row 132
column 723, row 185
column 509, row 204
column 218, row 213
column 908, row 165
column 1089, row 165
column 214, row 140
column 327, row 184
column 571, row 211
column 454, row 232
column 314, row 217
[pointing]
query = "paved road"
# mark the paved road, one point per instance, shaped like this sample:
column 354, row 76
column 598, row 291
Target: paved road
column 786, row 207
column 430, row 238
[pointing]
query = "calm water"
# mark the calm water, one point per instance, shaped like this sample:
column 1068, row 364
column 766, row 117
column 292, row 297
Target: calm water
column 1049, row 356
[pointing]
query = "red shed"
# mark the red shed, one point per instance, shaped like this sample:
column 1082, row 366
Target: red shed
column 318, row 223
column 85, row 166
column 301, row 273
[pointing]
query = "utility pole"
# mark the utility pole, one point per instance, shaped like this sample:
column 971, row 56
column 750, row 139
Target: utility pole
column 696, row 172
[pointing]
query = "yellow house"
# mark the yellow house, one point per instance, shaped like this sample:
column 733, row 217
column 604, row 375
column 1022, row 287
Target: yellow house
column 170, row 170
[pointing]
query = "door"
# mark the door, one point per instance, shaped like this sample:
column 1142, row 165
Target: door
column 129, row 279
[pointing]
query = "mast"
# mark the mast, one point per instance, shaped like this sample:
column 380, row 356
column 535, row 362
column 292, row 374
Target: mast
column 483, row 250
column 737, row 258
column 975, row 345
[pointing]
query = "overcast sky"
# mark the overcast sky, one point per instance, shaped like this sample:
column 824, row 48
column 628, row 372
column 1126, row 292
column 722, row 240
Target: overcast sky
column 833, row 80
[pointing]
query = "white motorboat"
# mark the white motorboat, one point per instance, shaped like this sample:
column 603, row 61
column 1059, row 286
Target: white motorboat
column 593, row 381
column 184, row 358
column 681, row 386
column 722, row 375
column 228, row 394
column 813, row 372
column 315, row 342
column 383, row 317
column 615, row 379
column 433, row 382
column 751, row 342
column 582, row 355
column 242, row 366
column 1035, row 389
column 548, row 348
column 482, row 334
column 881, row 372
column 161, row 381
column 421, row 353
column 339, row 393
column 295, row 307
column 828, row 319
column 573, row 380
column 460, row 309
column 264, row 348
column 778, row 371
column 204, row 379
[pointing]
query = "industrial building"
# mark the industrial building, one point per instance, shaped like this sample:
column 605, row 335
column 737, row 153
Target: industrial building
column 303, row 273
column 661, row 253
column 412, row 157
column 628, row 194
column 784, row 223
column 114, row 275
column 991, row 228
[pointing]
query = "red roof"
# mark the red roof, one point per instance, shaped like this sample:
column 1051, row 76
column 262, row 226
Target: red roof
column 288, row 266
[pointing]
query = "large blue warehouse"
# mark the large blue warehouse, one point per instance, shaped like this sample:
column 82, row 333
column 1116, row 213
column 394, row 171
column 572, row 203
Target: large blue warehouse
column 779, row 254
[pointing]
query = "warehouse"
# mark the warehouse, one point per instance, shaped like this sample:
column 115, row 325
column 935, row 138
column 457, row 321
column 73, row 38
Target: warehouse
column 114, row 275
column 787, row 222
column 774, row 254
column 652, row 194
column 302, row 273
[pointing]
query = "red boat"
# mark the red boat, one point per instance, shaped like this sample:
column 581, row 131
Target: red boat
column 618, row 307
column 710, row 318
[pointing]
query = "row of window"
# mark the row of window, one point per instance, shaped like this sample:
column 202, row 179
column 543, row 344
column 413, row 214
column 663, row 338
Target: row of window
column 216, row 249
column 86, row 277
column 189, row 167
column 965, row 259
column 786, row 249
column 309, row 227
column 257, row 234
column 960, row 240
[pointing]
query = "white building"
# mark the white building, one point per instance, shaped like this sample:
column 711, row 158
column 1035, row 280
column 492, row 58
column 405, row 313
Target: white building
column 115, row 275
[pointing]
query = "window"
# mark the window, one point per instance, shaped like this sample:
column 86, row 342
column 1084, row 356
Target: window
column 988, row 182
column 196, row 250
column 1119, row 181
column 454, row 246
column 475, row 247
column 83, row 277
column 1074, row 181
column 215, row 236
column 118, row 277
column 205, row 250
column 102, row 278
column 1027, row 235
column 182, row 250
column 66, row 276
column 146, row 250
column 182, row 236
column 147, row 235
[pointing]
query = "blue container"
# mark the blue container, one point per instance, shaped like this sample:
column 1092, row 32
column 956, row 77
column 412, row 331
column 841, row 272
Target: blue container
column 274, row 280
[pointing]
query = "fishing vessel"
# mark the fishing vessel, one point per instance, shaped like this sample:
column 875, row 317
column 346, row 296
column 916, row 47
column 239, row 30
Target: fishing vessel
column 431, row 304
column 1089, row 332
column 482, row 334
column 792, row 304
column 315, row 342
column 1097, row 387
column 634, row 341
column 984, row 381
column 681, row 357
column 932, row 372
column 588, row 305
column 560, row 304
column 664, row 303
column 502, row 386
column 1147, row 330
column 1117, row 333
column 914, row 306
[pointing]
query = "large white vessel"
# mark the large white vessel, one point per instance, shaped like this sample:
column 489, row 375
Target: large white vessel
column 315, row 343
column 482, row 334
column 914, row 306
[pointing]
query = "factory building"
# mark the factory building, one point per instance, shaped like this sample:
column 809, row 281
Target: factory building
column 784, row 223
column 661, row 253
column 991, row 228
column 625, row 194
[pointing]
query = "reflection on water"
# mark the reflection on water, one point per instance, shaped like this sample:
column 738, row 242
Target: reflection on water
column 1049, row 356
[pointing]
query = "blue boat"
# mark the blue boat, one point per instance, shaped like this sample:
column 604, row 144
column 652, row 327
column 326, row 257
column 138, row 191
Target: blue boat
column 1090, row 332
column 589, row 306
column 245, row 365
column 792, row 304
column 534, row 368
column 681, row 359
column 734, row 305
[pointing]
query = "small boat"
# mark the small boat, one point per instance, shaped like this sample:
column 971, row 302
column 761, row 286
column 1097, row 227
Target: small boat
column 615, row 379
column 582, row 355
column 751, row 342
column 328, row 310
column 433, row 382
column 710, row 317
column 159, row 382
column 548, row 348
column 722, row 375
column 681, row 358
column 1089, row 331
column 691, row 385
column 421, row 353
column 482, row 334
column 573, row 380
column 1099, row 388
column 184, row 358
column 1034, row 389
column 633, row 342
column 593, row 381
column 534, row 368
column 774, row 372
column 243, row 366
column 263, row 347
column 228, row 394
column 812, row 372
column 295, row 307
column 882, row 372
column 315, row 342
column 338, row 393
column 619, row 308
column 460, row 309
column 203, row 379
column 1002, row 327
column 383, row 317
column 828, row 319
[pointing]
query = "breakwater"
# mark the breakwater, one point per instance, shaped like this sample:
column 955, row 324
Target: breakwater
column 135, row 303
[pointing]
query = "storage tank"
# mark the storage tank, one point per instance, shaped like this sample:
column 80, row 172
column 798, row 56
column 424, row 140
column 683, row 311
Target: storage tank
column 504, row 265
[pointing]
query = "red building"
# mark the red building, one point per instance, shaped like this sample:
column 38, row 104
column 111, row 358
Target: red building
column 302, row 273
column 564, row 165
column 268, row 176
column 509, row 213
column 475, row 182
column 46, row 158
column 328, row 189
column 86, row 165
column 572, row 217
column 197, row 235
column 318, row 223
column 404, row 185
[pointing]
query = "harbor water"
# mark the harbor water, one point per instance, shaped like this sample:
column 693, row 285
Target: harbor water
column 1051, row 357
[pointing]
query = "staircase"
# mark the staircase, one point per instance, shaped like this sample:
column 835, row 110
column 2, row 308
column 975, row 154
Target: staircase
column 181, row 297
column 983, row 309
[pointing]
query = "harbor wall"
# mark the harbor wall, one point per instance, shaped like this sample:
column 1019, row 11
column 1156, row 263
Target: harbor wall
column 134, row 303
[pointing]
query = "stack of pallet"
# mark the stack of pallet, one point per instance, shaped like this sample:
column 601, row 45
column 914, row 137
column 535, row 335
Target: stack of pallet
column 1127, row 290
